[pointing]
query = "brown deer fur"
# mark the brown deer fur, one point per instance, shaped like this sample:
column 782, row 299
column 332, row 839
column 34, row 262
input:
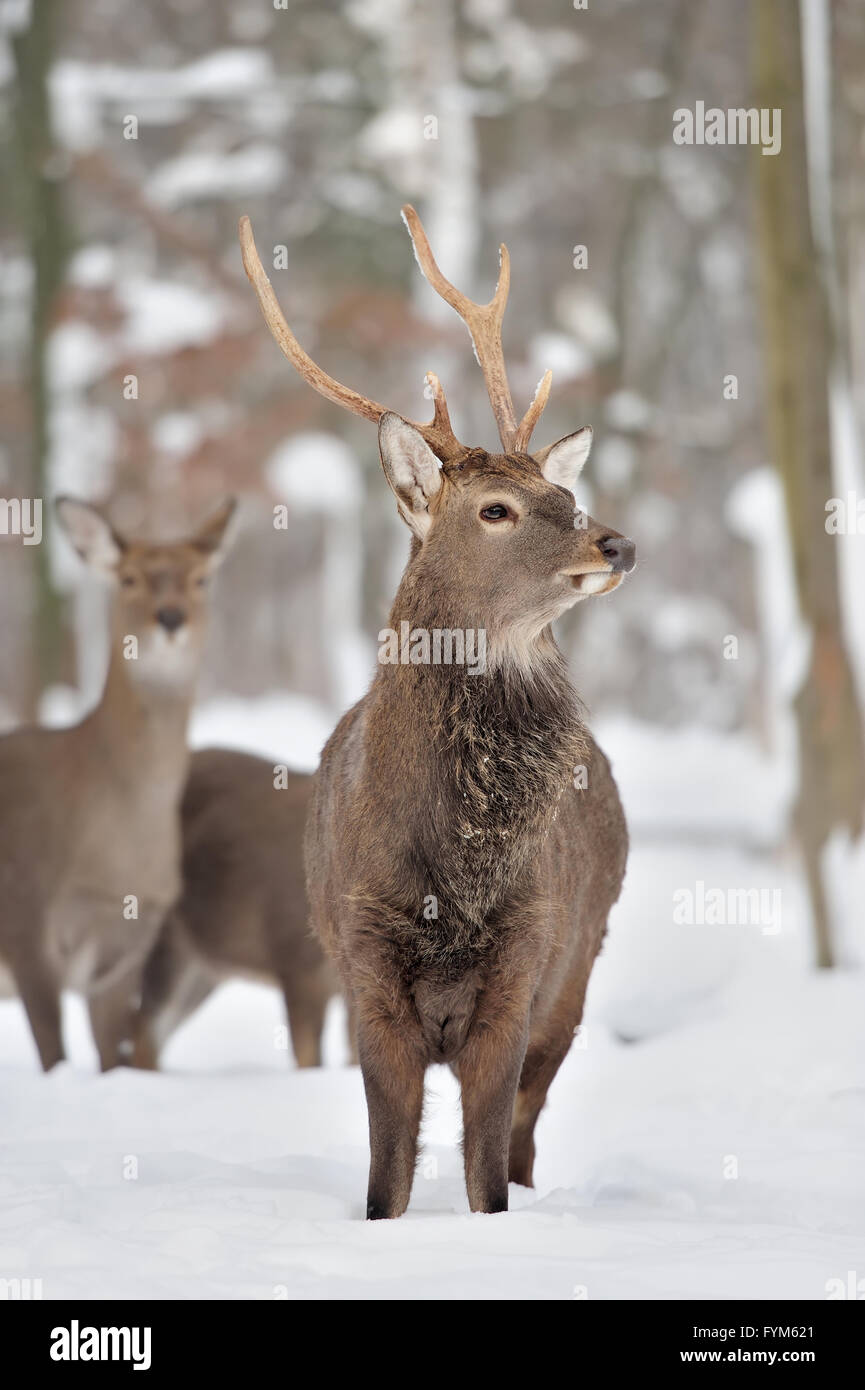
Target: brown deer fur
column 89, row 815
column 458, row 869
column 243, row 909
column 458, row 788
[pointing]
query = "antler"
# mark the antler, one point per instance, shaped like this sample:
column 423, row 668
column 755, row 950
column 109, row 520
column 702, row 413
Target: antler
column 484, row 322
column 438, row 433
column 533, row 414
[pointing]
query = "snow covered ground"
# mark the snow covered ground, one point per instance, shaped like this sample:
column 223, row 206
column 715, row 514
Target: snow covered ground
column 705, row 1138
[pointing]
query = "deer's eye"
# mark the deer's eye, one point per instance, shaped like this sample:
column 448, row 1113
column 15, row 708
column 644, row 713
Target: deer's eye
column 202, row 581
column 128, row 581
column 498, row 512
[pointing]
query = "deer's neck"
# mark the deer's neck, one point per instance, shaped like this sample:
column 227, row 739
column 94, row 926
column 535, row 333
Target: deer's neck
column 142, row 717
column 483, row 761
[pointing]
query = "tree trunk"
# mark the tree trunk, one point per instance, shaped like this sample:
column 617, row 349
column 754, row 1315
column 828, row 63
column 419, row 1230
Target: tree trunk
column 798, row 338
column 39, row 214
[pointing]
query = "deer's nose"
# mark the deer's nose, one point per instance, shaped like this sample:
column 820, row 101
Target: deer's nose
column 621, row 553
column 170, row 618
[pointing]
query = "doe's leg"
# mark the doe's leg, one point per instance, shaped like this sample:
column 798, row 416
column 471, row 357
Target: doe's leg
column 306, row 1002
column 175, row 983
column 39, row 990
column 114, row 1019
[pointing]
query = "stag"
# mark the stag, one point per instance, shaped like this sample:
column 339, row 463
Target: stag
column 466, row 841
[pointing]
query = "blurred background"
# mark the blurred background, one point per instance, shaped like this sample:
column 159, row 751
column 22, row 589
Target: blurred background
column 703, row 307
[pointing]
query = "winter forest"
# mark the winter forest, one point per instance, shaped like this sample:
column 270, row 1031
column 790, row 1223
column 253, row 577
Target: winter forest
column 700, row 300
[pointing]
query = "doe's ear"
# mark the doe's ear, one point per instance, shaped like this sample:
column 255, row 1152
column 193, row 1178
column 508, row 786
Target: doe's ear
column 94, row 538
column 562, row 463
column 212, row 537
column 412, row 470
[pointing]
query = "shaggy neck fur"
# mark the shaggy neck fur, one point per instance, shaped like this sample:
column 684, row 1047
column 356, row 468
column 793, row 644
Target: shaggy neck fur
column 487, row 758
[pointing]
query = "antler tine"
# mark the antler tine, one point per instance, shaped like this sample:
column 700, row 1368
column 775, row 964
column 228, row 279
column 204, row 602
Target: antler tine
column 484, row 322
column 533, row 414
column 438, row 433
column 441, row 420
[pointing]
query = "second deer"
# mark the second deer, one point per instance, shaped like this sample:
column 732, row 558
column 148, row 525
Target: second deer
column 242, row 910
column 90, row 815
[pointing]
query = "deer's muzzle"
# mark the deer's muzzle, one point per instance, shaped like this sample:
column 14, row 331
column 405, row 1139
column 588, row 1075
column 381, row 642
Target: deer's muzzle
column 620, row 552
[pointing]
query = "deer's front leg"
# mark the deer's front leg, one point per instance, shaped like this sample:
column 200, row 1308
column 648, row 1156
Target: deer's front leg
column 114, row 993
column 393, row 1063
column 489, row 1071
column 39, row 989
column 113, row 1020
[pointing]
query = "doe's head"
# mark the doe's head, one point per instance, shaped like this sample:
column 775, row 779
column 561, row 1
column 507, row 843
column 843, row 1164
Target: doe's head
column 161, row 588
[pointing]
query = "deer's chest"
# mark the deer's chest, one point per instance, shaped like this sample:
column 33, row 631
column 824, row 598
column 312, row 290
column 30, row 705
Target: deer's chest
column 486, row 834
column 121, row 876
column 93, row 938
column 128, row 835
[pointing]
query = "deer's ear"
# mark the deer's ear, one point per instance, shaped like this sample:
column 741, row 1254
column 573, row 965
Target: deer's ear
column 412, row 470
column 93, row 537
column 562, row 463
column 212, row 537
